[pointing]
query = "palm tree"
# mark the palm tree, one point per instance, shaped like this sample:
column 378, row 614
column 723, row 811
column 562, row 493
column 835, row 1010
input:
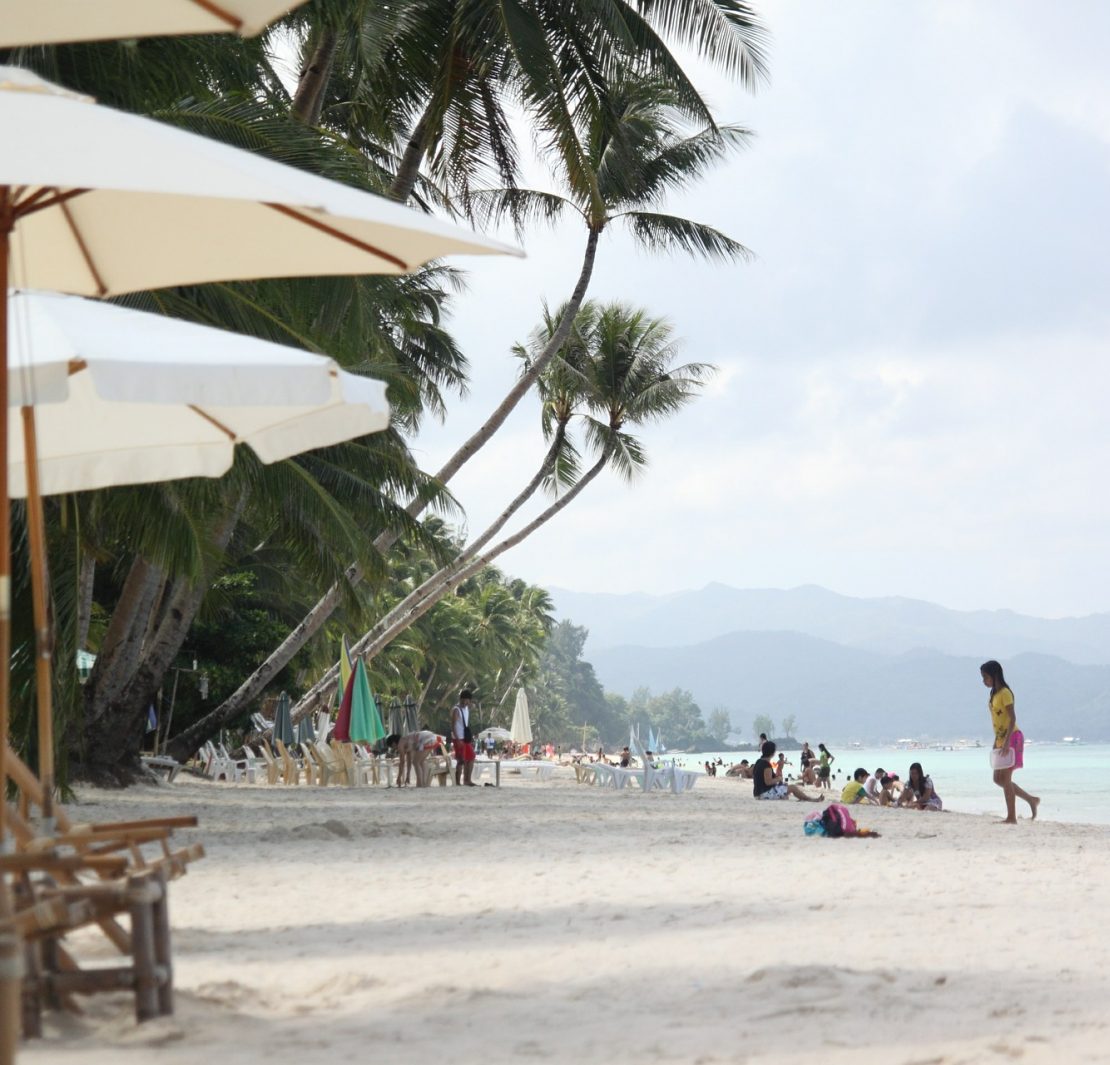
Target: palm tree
column 638, row 151
column 440, row 76
column 621, row 371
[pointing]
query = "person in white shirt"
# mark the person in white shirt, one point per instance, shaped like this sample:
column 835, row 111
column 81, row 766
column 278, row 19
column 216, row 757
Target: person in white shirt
column 873, row 785
column 463, row 740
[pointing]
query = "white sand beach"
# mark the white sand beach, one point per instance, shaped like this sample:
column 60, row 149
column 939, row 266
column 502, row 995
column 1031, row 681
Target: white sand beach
column 561, row 922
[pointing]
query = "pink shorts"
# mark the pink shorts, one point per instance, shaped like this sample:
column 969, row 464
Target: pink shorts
column 464, row 752
column 1017, row 745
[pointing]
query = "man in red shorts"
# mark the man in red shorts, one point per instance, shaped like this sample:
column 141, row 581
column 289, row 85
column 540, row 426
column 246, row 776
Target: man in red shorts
column 463, row 740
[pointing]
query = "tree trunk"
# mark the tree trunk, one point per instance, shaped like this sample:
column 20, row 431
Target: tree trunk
column 113, row 742
column 86, row 576
column 122, row 641
column 494, row 422
column 370, row 649
column 409, row 170
column 419, row 602
column 327, row 683
column 185, row 745
column 308, row 101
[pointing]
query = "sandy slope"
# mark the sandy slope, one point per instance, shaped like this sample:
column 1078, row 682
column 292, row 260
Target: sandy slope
column 556, row 921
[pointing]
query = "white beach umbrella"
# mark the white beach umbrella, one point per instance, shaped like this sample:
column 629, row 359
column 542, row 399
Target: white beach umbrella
column 94, row 201
column 123, row 397
column 100, row 202
column 25, row 22
column 495, row 733
column 521, row 730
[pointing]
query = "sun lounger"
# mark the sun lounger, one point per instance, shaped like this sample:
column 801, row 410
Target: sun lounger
column 273, row 770
column 170, row 766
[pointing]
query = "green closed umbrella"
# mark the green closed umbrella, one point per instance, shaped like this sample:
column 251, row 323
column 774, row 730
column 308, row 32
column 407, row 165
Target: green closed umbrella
column 283, row 721
column 366, row 722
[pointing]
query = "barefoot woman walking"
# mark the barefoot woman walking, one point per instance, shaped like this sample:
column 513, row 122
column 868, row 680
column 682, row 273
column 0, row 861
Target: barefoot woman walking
column 1006, row 755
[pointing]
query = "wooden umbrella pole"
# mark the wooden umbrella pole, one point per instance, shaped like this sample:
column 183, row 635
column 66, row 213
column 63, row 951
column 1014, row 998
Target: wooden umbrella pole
column 7, row 221
column 11, row 955
column 44, row 638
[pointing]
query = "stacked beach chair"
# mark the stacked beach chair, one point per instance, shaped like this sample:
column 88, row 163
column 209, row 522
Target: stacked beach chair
column 77, row 876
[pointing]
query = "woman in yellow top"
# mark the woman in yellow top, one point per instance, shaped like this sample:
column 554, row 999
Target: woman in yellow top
column 1004, row 754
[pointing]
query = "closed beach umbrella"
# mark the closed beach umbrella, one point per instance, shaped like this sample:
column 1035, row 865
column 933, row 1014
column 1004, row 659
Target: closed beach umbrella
column 27, row 22
column 365, row 720
column 342, row 729
column 396, row 716
column 283, row 721
column 411, row 724
column 124, row 397
column 306, row 733
column 521, row 730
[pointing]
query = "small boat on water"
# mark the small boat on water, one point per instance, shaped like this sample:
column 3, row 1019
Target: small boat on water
column 1072, row 741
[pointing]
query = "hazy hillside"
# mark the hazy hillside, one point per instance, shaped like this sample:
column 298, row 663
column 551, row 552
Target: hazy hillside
column 844, row 693
column 889, row 625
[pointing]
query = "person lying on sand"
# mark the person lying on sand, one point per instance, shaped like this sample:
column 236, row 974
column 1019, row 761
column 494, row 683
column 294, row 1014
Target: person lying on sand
column 767, row 784
column 743, row 769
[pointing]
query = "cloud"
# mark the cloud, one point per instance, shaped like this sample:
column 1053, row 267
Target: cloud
column 912, row 373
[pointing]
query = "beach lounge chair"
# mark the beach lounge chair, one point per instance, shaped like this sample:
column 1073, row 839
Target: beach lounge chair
column 290, row 767
column 261, row 725
column 330, row 760
column 244, row 768
column 170, row 766
column 273, row 770
column 90, row 874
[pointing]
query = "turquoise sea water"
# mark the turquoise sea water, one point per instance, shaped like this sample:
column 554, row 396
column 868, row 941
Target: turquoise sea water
column 1072, row 781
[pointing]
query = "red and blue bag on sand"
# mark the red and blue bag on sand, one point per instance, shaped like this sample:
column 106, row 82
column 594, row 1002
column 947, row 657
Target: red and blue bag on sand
column 834, row 821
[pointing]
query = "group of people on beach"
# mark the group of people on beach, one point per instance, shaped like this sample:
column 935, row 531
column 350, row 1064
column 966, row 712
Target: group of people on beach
column 881, row 788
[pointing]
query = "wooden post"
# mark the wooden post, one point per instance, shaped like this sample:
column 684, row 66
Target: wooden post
column 143, row 962
column 32, row 992
column 163, row 956
column 11, row 968
column 44, row 639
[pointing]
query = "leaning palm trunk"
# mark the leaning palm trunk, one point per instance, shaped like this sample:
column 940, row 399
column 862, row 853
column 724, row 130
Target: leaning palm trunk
column 186, row 743
column 112, row 736
column 419, row 602
column 123, row 641
column 85, row 580
column 409, row 170
column 308, row 101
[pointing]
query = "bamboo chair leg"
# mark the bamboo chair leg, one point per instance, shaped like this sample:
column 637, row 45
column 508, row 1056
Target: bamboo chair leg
column 163, row 957
column 11, row 974
column 31, row 999
column 142, row 958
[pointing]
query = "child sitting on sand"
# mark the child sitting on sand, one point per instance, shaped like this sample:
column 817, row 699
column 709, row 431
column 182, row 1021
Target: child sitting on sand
column 919, row 792
column 890, row 789
column 767, row 784
column 854, row 791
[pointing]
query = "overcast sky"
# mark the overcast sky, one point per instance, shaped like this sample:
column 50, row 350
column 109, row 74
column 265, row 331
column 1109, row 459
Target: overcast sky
column 911, row 397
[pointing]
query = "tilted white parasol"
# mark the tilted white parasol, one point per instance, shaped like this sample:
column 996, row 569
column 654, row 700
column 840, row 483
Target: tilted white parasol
column 123, row 397
column 24, row 22
column 99, row 202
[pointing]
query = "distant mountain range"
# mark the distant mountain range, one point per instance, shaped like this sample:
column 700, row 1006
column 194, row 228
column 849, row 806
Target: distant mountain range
column 866, row 669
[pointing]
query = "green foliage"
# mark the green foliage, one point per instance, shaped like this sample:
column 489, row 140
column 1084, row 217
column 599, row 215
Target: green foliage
column 719, row 724
column 789, row 723
column 763, row 724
